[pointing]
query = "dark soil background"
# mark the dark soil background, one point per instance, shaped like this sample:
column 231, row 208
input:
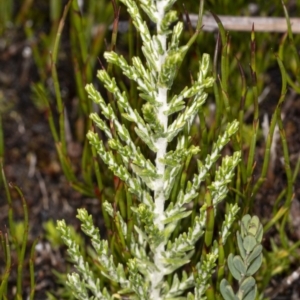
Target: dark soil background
column 31, row 163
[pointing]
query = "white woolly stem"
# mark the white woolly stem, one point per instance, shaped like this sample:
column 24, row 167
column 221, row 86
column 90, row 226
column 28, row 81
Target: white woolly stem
column 161, row 145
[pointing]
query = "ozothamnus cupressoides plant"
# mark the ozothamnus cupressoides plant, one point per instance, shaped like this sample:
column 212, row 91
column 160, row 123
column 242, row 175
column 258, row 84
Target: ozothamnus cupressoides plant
column 155, row 255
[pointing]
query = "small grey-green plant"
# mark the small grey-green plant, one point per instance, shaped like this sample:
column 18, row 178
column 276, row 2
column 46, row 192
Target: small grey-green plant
column 160, row 250
column 244, row 266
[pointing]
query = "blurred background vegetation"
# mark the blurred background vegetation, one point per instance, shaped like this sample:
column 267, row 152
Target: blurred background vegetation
column 45, row 64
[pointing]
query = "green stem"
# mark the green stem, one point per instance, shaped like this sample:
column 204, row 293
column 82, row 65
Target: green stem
column 219, row 103
column 21, row 254
column 4, row 278
column 11, row 222
column 60, row 106
column 31, row 267
column 256, row 110
column 210, row 220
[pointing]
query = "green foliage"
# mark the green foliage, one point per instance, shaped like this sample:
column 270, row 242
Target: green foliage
column 6, row 9
column 244, row 266
column 86, row 39
column 17, row 240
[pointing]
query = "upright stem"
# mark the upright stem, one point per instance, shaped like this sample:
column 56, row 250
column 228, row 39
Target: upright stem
column 161, row 145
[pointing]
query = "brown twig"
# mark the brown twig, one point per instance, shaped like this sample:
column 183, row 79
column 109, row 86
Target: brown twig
column 262, row 24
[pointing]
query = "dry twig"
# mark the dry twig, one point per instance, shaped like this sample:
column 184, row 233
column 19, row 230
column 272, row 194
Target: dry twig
column 263, row 24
